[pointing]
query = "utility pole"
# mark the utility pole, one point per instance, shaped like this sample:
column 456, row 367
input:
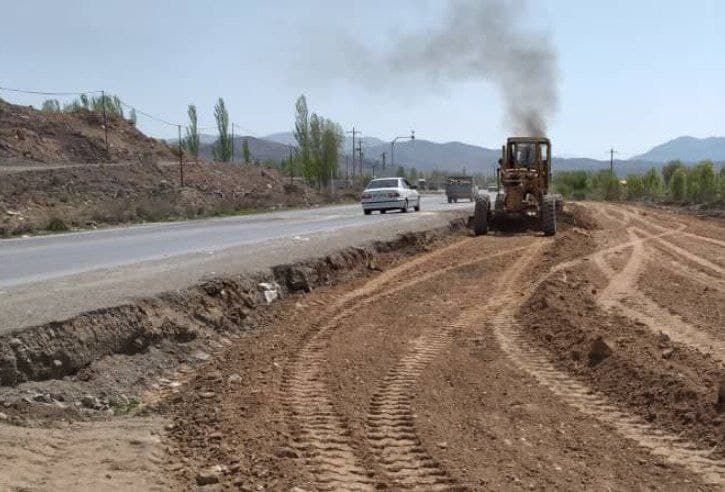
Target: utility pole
column 105, row 120
column 392, row 146
column 354, row 132
column 611, row 161
column 383, row 157
column 181, row 158
column 360, row 154
column 290, row 162
column 232, row 142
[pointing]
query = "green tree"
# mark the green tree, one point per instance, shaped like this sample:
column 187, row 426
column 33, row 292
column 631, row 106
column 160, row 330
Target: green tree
column 302, row 133
column 721, row 182
column 678, row 184
column 704, row 175
column 653, row 184
column 332, row 138
column 312, row 168
column 245, row 152
column 50, row 106
column 413, row 176
column 571, row 184
column 605, row 186
column 318, row 145
column 400, row 172
column 668, row 170
column 635, row 186
column 191, row 141
column 223, row 145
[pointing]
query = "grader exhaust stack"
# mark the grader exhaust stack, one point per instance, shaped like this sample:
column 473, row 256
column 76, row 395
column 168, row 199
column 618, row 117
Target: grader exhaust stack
column 524, row 180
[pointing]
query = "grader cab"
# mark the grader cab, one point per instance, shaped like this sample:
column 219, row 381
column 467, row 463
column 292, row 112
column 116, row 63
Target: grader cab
column 523, row 183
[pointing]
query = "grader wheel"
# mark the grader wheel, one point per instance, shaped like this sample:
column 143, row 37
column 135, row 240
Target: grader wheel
column 548, row 215
column 480, row 215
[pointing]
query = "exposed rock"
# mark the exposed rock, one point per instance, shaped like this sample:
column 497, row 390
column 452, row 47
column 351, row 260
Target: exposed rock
column 599, row 351
column 90, row 401
column 287, row 453
column 208, row 477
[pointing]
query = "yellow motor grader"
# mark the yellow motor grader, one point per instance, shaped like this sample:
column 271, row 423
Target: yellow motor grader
column 523, row 187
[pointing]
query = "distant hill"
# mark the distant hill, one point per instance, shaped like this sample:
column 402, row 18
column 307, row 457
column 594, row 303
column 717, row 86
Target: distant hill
column 425, row 155
column 288, row 138
column 259, row 149
column 687, row 149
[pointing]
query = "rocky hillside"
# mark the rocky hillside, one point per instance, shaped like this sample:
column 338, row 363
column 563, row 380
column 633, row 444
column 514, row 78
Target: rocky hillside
column 27, row 134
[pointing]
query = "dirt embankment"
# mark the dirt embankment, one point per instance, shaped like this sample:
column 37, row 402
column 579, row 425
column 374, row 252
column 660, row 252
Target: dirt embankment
column 27, row 134
column 95, row 195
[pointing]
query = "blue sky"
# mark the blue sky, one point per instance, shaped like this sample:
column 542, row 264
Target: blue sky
column 632, row 74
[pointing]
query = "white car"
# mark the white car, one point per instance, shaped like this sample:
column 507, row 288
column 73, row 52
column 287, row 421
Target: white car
column 385, row 194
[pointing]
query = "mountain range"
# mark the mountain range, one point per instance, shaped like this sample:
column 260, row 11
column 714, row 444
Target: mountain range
column 687, row 149
column 425, row 155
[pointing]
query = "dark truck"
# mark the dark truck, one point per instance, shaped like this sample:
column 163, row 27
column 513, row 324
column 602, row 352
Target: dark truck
column 460, row 188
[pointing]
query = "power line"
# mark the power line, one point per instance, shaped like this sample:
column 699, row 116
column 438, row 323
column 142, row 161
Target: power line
column 160, row 120
column 43, row 93
column 123, row 103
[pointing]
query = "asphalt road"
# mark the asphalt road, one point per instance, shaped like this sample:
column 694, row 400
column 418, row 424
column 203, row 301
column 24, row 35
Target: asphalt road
column 52, row 277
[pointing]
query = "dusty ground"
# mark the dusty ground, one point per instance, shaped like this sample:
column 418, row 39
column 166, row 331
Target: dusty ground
column 591, row 360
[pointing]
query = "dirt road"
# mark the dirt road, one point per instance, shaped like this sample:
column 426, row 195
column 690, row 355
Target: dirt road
column 590, row 360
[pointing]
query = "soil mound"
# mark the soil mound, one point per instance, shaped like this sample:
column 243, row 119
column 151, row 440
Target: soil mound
column 78, row 136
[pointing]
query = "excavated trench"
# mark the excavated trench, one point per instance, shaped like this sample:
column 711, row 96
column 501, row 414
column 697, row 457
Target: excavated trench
column 218, row 308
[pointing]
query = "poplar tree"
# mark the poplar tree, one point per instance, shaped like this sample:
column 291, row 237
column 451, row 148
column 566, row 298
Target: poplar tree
column 245, row 151
column 223, row 145
column 191, row 142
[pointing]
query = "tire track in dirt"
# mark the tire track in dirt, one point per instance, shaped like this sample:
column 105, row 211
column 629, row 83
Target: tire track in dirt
column 390, row 426
column 319, row 432
column 678, row 229
column 635, row 213
column 687, row 255
column 535, row 362
column 675, row 264
column 707, row 275
column 623, row 296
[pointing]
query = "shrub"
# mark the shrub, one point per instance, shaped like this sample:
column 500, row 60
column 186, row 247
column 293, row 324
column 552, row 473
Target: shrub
column 50, row 106
column 572, row 184
column 56, row 224
column 606, row 186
